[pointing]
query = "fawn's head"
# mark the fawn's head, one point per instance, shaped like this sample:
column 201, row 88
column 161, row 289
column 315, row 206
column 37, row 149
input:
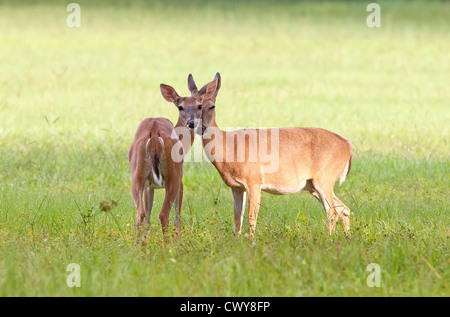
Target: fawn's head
column 206, row 96
column 190, row 108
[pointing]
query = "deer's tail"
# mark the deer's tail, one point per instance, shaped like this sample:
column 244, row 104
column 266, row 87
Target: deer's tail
column 154, row 150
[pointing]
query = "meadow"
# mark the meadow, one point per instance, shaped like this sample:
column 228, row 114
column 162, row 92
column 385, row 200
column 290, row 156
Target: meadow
column 72, row 98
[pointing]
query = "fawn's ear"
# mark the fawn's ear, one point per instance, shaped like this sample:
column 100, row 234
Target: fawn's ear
column 210, row 90
column 169, row 93
column 191, row 85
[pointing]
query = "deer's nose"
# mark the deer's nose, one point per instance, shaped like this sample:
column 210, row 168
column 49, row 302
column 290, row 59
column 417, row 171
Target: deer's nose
column 191, row 123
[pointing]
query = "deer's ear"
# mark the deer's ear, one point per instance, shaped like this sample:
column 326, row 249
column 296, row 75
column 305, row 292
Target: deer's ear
column 191, row 85
column 210, row 90
column 169, row 93
column 202, row 91
column 219, row 81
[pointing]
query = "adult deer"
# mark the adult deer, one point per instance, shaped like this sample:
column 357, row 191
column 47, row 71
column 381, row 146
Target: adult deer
column 156, row 159
column 309, row 159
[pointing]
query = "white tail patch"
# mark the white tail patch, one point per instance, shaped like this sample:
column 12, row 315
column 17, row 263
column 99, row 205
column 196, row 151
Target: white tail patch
column 162, row 142
column 147, row 153
column 157, row 180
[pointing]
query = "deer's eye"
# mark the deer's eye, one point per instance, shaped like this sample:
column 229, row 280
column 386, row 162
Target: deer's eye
column 200, row 107
column 180, row 108
column 212, row 107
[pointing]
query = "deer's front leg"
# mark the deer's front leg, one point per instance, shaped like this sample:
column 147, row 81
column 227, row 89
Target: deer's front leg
column 239, row 206
column 254, row 199
column 177, row 204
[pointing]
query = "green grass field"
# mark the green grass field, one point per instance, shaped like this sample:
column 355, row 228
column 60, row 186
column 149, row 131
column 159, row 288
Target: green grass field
column 72, row 98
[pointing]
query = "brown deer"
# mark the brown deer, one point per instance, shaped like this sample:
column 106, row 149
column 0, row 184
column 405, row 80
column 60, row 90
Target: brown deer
column 309, row 159
column 156, row 159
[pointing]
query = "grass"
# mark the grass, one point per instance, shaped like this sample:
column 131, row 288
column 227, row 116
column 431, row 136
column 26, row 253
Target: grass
column 71, row 99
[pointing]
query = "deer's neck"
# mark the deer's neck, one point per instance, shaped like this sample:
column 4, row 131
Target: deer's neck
column 214, row 144
column 217, row 146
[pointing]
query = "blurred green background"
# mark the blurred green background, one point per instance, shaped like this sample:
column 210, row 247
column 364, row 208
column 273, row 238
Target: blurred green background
column 72, row 98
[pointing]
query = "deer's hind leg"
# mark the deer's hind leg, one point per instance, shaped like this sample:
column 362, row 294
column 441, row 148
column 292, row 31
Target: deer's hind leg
column 148, row 202
column 323, row 191
column 342, row 210
column 137, row 190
